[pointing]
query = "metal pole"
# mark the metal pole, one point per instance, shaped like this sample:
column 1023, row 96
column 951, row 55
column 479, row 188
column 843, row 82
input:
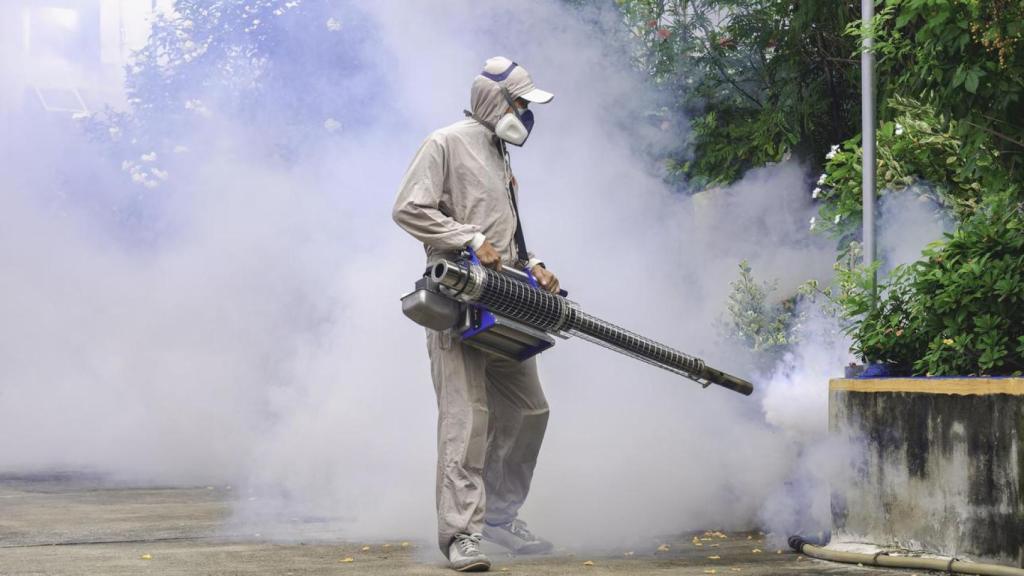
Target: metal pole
column 867, row 94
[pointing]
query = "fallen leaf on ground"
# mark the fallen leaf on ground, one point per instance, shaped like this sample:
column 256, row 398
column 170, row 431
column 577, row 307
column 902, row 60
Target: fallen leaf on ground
column 387, row 546
column 714, row 557
column 778, row 551
column 504, row 568
column 146, row 556
column 365, row 548
column 405, row 544
column 713, row 545
column 664, row 548
column 588, row 563
column 347, row 559
column 736, row 569
column 755, row 551
column 712, row 571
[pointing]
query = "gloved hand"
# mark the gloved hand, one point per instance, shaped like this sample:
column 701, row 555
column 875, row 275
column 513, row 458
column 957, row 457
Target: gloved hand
column 489, row 256
column 546, row 278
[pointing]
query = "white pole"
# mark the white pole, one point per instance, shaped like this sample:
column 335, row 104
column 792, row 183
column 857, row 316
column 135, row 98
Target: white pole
column 867, row 93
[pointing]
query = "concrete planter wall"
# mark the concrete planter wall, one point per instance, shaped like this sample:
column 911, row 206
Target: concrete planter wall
column 941, row 467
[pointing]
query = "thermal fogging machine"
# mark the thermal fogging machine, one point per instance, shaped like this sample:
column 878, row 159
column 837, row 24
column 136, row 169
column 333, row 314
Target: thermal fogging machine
column 508, row 314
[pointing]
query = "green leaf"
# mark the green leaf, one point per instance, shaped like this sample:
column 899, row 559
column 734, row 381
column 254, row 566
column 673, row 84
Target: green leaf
column 971, row 82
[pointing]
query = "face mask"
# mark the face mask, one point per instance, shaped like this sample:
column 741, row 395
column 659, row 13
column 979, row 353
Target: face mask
column 514, row 127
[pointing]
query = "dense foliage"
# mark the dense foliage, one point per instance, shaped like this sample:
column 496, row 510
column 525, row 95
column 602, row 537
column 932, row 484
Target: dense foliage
column 958, row 311
column 951, row 86
column 761, row 79
column 767, row 79
column 951, row 92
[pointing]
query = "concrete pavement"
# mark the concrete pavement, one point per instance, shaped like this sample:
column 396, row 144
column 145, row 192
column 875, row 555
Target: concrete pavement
column 76, row 525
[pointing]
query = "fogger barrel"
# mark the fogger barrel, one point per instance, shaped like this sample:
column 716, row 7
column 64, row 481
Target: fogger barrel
column 552, row 313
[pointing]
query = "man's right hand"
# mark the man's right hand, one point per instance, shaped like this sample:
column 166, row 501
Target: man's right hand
column 488, row 256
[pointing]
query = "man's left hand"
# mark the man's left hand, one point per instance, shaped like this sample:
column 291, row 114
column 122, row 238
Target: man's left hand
column 547, row 279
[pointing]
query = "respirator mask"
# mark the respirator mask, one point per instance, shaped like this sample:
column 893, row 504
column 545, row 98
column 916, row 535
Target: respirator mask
column 514, row 127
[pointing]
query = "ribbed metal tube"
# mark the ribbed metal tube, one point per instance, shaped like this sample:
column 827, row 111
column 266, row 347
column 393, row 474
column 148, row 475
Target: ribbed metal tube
column 514, row 299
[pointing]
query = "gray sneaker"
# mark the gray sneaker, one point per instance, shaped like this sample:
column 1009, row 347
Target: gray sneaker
column 465, row 556
column 517, row 538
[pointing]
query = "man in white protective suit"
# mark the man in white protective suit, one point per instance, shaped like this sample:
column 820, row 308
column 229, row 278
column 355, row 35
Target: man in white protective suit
column 459, row 193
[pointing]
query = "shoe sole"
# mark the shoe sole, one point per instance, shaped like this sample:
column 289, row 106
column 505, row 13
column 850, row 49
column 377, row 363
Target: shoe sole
column 475, row 567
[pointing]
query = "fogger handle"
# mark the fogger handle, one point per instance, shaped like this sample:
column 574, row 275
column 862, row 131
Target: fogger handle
column 521, row 275
column 524, row 277
column 728, row 381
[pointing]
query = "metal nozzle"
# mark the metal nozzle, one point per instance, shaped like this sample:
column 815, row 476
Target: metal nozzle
column 447, row 274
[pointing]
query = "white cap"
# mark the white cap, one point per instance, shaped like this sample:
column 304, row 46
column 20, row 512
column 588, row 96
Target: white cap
column 516, row 79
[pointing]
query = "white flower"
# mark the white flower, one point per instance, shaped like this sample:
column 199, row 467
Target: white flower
column 814, row 222
column 832, row 152
column 899, row 129
column 815, row 193
column 148, row 157
column 332, row 125
column 838, row 218
column 333, row 24
column 161, row 174
column 821, row 180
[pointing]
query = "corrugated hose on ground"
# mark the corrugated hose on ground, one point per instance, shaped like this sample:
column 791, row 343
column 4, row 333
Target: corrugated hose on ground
column 883, row 559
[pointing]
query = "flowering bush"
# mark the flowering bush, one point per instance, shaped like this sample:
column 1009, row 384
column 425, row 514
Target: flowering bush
column 917, row 145
column 959, row 311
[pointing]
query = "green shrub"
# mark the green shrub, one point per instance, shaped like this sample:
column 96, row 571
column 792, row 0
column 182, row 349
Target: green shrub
column 958, row 311
column 757, row 324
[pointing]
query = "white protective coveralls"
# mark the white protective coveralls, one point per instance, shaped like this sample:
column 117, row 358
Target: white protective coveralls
column 492, row 412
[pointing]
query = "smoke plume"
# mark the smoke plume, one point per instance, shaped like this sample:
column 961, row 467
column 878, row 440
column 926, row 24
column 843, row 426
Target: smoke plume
column 188, row 317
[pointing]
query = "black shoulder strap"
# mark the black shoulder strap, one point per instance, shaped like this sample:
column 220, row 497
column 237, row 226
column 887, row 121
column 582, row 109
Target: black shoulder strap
column 520, row 240
column 521, row 251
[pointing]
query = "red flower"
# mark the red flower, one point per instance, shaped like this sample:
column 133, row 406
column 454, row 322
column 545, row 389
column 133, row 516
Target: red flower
column 663, row 33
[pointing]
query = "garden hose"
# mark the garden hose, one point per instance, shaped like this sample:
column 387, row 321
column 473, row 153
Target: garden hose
column 883, row 559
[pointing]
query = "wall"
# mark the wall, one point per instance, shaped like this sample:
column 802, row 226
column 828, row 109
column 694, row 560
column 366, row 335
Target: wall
column 940, row 465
